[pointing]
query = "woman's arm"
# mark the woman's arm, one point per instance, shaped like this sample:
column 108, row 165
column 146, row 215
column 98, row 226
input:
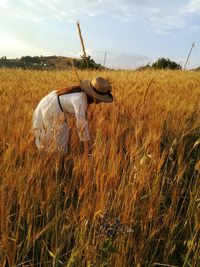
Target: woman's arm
column 80, row 108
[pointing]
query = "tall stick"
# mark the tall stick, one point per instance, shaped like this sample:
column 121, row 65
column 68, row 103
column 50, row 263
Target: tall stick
column 188, row 56
column 84, row 54
column 81, row 38
column 104, row 62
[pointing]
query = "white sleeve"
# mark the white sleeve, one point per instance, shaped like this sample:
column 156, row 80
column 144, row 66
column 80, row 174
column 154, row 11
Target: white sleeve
column 80, row 108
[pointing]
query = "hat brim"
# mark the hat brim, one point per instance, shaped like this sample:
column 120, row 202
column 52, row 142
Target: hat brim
column 88, row 89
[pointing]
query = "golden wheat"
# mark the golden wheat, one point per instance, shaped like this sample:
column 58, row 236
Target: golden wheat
column 133, row 202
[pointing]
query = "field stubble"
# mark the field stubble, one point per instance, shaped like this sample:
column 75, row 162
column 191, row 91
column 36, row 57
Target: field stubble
column 133, row 202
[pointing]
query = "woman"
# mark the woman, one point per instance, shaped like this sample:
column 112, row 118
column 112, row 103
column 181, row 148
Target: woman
column 50, row 125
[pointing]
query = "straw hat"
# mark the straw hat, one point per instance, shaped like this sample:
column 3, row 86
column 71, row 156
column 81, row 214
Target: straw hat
column 98, row 88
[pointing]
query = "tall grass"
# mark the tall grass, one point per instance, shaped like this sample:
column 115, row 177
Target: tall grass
column 133, row 202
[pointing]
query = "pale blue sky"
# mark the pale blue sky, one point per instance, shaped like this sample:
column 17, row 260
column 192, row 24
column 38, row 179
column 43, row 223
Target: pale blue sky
column 133, row 32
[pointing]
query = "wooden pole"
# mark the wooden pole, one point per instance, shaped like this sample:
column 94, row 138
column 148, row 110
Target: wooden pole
column 84, row 55
column 104, row 62
column 81, row 38
column 188, row 56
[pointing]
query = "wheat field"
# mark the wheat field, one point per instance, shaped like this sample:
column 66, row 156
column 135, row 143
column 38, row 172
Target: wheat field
column 134, row 201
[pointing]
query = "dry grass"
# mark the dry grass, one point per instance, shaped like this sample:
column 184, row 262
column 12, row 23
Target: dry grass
column 133, row 202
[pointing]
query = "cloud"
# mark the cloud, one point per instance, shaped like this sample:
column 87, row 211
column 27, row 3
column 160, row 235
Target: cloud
column 18, row 47
column 3, row 4
column 159, row 12
column 159, row 15
column 32, row 25
column 166, row 20
column 192, row 7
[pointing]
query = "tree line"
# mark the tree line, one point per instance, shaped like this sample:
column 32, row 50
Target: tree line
column 54, row 62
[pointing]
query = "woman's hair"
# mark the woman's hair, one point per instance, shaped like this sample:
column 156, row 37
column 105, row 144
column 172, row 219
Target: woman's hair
column 75, row 89
column 90, row 99
column 69, row 90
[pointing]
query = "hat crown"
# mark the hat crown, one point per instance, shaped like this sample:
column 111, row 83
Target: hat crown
column 98, row 88
column 101, row 85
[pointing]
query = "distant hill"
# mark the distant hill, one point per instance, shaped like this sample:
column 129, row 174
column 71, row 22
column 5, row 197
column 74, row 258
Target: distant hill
column 197, row 69
column 49, row 63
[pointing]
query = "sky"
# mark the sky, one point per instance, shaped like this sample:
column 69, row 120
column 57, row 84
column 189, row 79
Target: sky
column 132, row 32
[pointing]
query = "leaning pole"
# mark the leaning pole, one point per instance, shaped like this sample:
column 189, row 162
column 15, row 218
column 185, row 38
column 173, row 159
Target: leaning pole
column 188, row 56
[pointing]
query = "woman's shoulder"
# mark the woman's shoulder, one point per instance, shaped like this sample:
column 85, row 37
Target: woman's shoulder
column 79, row 96
column 76, row 99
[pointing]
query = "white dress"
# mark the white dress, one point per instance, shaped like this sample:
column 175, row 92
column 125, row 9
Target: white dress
column 50, row 126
